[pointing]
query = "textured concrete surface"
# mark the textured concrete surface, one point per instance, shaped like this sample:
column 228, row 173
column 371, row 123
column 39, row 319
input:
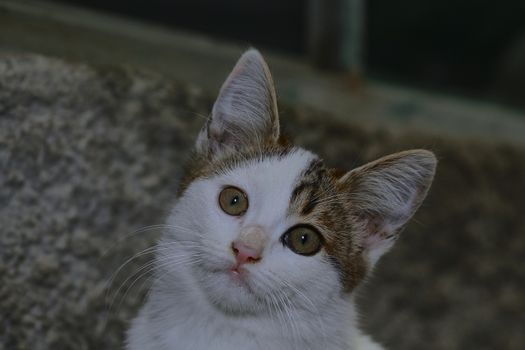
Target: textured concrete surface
column 90, row 155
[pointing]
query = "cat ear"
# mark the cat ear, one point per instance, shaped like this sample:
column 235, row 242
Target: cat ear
column 383, row 196
column 245, row 113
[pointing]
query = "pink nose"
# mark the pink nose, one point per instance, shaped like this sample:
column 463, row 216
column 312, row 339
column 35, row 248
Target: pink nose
column 244, row 254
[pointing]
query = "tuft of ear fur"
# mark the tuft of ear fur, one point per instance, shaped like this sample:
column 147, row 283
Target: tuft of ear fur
column 245, row 112
column 383, row 196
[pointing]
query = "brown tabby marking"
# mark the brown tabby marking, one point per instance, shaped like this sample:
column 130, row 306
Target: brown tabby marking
column 318, row 202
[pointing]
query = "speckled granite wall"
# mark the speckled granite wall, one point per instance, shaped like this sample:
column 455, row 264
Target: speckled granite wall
column 89, row 155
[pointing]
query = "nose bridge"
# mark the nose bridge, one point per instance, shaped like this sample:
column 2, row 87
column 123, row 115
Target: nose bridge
column 254, row 236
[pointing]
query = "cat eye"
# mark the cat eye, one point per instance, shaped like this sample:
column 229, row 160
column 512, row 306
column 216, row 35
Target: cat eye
column 303, row 240
column 233, row 201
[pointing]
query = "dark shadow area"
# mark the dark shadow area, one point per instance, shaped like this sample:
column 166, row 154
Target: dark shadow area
column 471, row 48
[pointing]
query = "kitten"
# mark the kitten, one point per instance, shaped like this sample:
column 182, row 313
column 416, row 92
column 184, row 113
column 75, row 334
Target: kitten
column 266, row 244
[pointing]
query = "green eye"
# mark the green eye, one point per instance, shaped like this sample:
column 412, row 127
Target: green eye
column 233, row 201
column 303, row 240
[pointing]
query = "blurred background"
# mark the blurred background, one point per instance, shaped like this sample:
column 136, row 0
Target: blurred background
column 471, row 48
column 406, row 63
column 100, row 102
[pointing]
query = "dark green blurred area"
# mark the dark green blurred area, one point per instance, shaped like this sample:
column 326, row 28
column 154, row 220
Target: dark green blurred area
column 444, row 43
column 467, row 47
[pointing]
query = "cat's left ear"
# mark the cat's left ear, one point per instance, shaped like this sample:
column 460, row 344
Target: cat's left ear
column 245, row 112
column 384, row 194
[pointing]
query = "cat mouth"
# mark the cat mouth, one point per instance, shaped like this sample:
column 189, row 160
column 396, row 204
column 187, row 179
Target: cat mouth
column 237, row 270
column 239, row 277
column 238, row 274
column 231, row 275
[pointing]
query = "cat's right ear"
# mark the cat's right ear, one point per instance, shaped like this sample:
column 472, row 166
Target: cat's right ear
column 245, row 112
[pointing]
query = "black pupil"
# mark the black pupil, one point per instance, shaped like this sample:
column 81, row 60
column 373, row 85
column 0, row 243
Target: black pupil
column 304, row 238
column 235, row 200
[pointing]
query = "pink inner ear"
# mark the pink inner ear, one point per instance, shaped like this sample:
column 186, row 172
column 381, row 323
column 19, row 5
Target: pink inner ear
column 235, row 72
column 372, row 240
column 378, row 228
column 379, row 236
column 376, row 239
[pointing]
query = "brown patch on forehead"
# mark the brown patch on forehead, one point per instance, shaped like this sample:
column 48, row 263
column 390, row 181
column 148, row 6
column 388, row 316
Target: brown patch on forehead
column 201, row 166
column 306, row 194
column 317, row 199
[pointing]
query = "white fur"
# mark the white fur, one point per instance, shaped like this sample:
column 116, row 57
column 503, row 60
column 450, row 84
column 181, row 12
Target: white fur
column 197, row 306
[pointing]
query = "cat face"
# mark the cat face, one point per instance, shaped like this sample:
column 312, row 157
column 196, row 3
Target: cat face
column 260, row 223
column 264, row 269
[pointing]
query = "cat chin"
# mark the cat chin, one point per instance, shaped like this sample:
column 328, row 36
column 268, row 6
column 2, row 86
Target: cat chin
column 230, row 292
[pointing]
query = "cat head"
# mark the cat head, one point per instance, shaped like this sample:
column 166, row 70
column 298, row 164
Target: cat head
column 261, row 220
